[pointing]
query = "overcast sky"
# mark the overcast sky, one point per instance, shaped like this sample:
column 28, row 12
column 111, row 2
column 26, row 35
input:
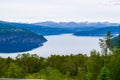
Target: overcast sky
column 60, row 10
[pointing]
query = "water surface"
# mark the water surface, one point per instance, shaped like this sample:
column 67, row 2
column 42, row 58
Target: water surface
column 64, row 45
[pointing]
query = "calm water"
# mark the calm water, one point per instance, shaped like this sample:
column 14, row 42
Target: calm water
column 64, row 45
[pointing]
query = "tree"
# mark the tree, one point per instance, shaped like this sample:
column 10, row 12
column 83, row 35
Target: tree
column 106, row 43
column 30, row 62
column 14, row 71
column 114, row 64
column 109, row 41
column 118, row 42
column 54, row 74
column 94, row 65
column 104, row 74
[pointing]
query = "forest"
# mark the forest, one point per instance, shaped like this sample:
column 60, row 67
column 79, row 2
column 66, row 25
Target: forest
column 104, row 65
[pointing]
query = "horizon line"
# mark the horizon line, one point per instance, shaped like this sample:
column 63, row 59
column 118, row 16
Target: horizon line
column 59, row 21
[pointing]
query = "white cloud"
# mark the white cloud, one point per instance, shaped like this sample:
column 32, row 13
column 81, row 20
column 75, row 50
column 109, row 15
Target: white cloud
column 58, row 10
column 114, row 2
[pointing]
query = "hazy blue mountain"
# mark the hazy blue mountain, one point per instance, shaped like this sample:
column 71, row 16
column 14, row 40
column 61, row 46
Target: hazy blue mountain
column 50, row 24
column 99, row 32
column 76, row 24
column 77, row 27
column 87, row 24
column 43, row 30
column 54, row 28
column 19, row 40
column 71, row 26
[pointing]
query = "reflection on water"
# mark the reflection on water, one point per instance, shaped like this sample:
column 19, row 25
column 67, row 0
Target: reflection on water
column 64, row 45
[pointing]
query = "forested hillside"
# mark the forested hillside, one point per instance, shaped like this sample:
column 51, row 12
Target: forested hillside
column 56, row 67
column 19, row 40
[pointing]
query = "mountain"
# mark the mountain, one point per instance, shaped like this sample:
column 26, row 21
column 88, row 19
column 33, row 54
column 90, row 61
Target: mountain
column 76, row 24
column 50, row 24
column 18, row 40
column 70, row 26
column 43, row 30
column 55, row 28
column 87, row 24
column 99, row 32
column 76, row 27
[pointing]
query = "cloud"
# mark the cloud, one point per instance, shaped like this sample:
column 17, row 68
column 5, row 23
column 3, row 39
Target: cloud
column 115, row 2
column 111, row 3
column 59, row 10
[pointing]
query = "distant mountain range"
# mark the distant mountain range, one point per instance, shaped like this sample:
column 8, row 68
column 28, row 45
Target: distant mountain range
column 18, row 40
column 43, row 30
column 85, row 28
column 75, row 24
column 78, row 29
column 99, row 32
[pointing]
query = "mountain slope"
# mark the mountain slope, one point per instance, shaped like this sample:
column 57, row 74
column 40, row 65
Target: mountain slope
column 19, row 40
column 53, row 28
column 43, row 30
column 99, row 32
column 78, row 26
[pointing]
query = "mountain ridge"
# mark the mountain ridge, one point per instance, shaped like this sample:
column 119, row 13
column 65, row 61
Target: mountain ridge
column 56, row 28
column 99, row 32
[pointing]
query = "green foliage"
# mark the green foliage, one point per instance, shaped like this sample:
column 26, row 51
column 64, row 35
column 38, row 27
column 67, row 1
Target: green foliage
column 30, row 63
column 53, row 74
column 109, row 40
column 114, row 64
column 106, row 43
column 35, row 76
column 94, row 64
column 14, row 71
column 118, row 42
column 69, row 67
column 88, row 76
column 104, row 74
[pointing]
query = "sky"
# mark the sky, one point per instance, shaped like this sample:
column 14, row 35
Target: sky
column 60, row 10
